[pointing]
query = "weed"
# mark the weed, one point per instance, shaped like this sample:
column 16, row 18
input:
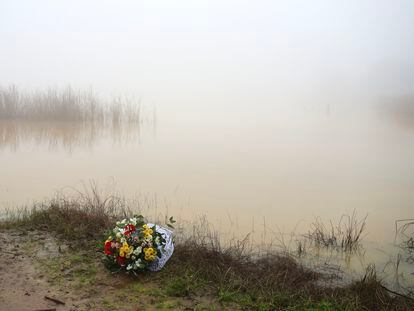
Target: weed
column 177, row 287
column 345, row 235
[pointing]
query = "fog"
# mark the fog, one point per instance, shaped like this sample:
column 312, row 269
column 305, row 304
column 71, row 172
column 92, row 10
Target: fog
column 245, row 110
column 218, row 54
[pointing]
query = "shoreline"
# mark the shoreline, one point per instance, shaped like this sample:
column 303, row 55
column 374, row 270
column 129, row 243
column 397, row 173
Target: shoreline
column 61, row 242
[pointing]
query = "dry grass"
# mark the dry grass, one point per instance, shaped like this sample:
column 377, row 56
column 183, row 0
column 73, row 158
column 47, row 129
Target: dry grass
column 66, row 118
column 346, row 235
column 201, row 264
column 67, row 105
column 81, row 218
column 404, row 231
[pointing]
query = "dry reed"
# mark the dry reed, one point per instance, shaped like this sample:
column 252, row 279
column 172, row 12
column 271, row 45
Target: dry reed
column 346, row 235
column 67, row 105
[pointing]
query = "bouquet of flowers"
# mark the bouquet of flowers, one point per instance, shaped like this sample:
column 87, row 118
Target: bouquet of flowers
column 135, row 245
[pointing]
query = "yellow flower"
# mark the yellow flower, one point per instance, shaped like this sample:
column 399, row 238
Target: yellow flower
column 126, row 250
column 150, row 253
column 147, row 232
column 149, row 258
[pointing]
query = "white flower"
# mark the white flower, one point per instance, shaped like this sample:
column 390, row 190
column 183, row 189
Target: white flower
column 123, row 240
column 133, row 257
column 129, row 267
column 118, row 234
column 157, row 240
column 138, row 263
column 138, row 250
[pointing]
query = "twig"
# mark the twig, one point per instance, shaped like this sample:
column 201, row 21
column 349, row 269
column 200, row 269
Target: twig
column 59, row 302
column 396, row 293
column 11, row 253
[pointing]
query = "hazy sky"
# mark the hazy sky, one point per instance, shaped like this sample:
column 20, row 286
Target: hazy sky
column 186, row 50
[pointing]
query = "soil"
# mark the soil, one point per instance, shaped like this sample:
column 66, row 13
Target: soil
column 21, row 286
column 34, row 265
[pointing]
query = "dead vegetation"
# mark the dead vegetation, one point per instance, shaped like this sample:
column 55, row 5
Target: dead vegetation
column 404, row 232
column 67, row 105
column 79, row 218
column 66, row 118
column 345, row 235
column 201, row 265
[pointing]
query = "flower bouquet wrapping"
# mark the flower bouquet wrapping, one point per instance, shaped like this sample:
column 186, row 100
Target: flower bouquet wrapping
column 135, row 245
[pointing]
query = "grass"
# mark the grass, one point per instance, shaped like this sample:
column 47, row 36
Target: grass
column 74, row 270
column 404, row 230
column 231, row 276
column 67, row 118
column 66, row 105
column 346, row 235
column 82, row 219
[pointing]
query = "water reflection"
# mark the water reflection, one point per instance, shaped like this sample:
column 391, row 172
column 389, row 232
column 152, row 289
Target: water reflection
column 272, row 169
column 66, row 135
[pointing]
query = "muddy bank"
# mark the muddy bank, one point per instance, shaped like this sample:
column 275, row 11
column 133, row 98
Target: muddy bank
column 55, row 249
column 35, row 265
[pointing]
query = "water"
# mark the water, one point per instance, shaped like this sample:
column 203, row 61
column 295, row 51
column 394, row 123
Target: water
column 268, row 170
column 266, row 118
column 285, row 165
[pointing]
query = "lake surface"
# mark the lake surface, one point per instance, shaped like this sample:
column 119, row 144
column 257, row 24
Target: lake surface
column 267, row 169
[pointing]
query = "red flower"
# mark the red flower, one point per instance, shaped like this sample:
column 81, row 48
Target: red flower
column 129, row 229
column 120, row 260
column 107, row 248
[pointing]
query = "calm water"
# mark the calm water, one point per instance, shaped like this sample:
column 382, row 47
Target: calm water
column 275, row 167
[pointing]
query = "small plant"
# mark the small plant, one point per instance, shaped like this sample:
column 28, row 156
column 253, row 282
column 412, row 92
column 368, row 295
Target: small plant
column 346, row 235
column 177, row 287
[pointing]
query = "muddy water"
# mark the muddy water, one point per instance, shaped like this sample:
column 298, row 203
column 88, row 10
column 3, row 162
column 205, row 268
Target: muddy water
column 275, row 168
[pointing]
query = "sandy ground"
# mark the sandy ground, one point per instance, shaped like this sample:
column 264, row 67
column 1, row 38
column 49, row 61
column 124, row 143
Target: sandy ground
column 22, row 287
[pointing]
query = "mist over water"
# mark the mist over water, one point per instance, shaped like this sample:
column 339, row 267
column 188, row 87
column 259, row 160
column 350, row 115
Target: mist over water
column 275, row 110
